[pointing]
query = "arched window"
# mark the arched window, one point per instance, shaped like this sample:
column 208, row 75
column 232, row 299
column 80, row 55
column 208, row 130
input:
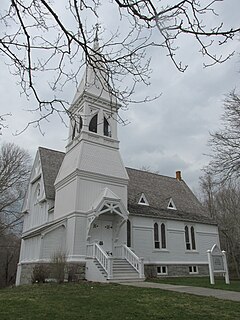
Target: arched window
column 37, row 193
column 156, row 236
column 106, row 128
column 190, row 238
column 80, row 124
column 193, row 238
column 187, row 240
column 159, row 234
column 128, row 233
column 93, row 124
column 74, row 129
column 163, row 236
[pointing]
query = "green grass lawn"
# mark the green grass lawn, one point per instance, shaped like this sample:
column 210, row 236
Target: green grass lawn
column 109, row 301
column 201, row 282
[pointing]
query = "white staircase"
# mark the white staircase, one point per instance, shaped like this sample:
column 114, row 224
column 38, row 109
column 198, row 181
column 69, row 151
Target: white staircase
column 121, row 271
column 104, row 268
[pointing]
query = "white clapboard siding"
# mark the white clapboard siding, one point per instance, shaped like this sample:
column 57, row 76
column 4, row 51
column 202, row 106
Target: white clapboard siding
column 31, row 249
column 54, row 243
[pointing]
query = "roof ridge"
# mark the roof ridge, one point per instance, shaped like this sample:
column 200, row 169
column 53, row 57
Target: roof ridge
column 154, row 173
column 51, row 150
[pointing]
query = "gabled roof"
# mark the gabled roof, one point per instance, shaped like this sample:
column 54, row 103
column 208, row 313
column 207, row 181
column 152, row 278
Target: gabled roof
column 157, row 189
column 51, row 161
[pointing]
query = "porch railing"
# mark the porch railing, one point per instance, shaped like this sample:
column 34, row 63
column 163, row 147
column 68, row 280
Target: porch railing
column 106, row 262
column 121, row 251
column 125, row 252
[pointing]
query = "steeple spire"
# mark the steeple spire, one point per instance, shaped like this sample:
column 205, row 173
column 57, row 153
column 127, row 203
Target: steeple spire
column 95, row 78
column 96, row 43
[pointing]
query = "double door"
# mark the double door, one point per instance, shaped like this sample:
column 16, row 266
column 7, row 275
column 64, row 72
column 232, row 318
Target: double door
column 102, row 233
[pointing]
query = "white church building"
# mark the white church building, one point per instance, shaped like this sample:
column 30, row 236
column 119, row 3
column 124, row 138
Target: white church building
column 111, row 222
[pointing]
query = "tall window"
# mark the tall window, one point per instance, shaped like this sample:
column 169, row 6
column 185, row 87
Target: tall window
column 190, row 238
column 163, row 236
column 156, row 236
column 106, row 128
column 76, row 126
column 128, row 233
column 157, row 243
column 93, row 124
column 74, row 129
column 193, row 238
column 37, row 193
column 80, row 124
column 187, row 241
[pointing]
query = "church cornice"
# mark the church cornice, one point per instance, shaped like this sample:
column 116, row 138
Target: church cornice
column 96, row 100
column 91, row 137
column 91, row 176
column 43, row 229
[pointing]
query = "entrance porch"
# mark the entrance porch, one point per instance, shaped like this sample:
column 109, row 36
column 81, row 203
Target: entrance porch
column 108, row 258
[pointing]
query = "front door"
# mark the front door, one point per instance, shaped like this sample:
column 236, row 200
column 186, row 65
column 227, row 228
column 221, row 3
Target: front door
column 101, row 232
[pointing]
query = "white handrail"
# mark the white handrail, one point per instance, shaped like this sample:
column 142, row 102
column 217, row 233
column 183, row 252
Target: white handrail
column 134, row 260
column 95, row 251
column 90, row 250
column 101, row 256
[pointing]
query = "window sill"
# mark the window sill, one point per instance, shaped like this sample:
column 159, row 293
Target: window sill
column 193, row 273
column 160, row 250
column 192, row 251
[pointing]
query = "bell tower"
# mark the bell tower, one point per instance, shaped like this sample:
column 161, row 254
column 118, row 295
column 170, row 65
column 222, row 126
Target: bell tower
column 93, row 112
column 92, row 162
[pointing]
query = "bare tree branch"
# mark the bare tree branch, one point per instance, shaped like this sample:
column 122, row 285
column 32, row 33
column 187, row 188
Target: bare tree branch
column 14, row 175
column 225, row 143
column 39, row 36
column 223, row 202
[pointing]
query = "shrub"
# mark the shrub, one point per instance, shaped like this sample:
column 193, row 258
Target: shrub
column 58, row 266
column 40, row 273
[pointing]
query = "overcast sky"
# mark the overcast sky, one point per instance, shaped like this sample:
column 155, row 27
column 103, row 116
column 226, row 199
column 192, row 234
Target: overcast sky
column 168, row 134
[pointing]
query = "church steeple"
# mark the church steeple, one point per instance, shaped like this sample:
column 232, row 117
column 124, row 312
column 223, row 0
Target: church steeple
column 94, row 107
column 96, row 43
column 95, row 80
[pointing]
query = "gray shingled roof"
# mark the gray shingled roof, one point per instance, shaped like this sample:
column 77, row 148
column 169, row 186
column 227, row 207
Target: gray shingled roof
column 157, row 189
column 51, row 161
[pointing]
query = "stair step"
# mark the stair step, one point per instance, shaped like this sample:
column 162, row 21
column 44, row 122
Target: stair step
column 125, row 275
column 122, row 271
column 126, row 280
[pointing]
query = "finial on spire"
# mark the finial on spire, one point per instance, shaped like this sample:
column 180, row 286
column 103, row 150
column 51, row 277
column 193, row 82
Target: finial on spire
column 97, row 27
column 96, row 44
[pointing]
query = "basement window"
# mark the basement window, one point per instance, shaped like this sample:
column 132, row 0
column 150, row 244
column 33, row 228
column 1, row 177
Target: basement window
column 193, row 269
column 162, row 270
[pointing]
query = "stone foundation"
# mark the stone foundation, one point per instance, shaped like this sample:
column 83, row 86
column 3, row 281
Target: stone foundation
column 181, row 270
column 71, row 272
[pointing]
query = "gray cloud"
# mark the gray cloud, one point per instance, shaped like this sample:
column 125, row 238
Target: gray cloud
column 167, row 134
